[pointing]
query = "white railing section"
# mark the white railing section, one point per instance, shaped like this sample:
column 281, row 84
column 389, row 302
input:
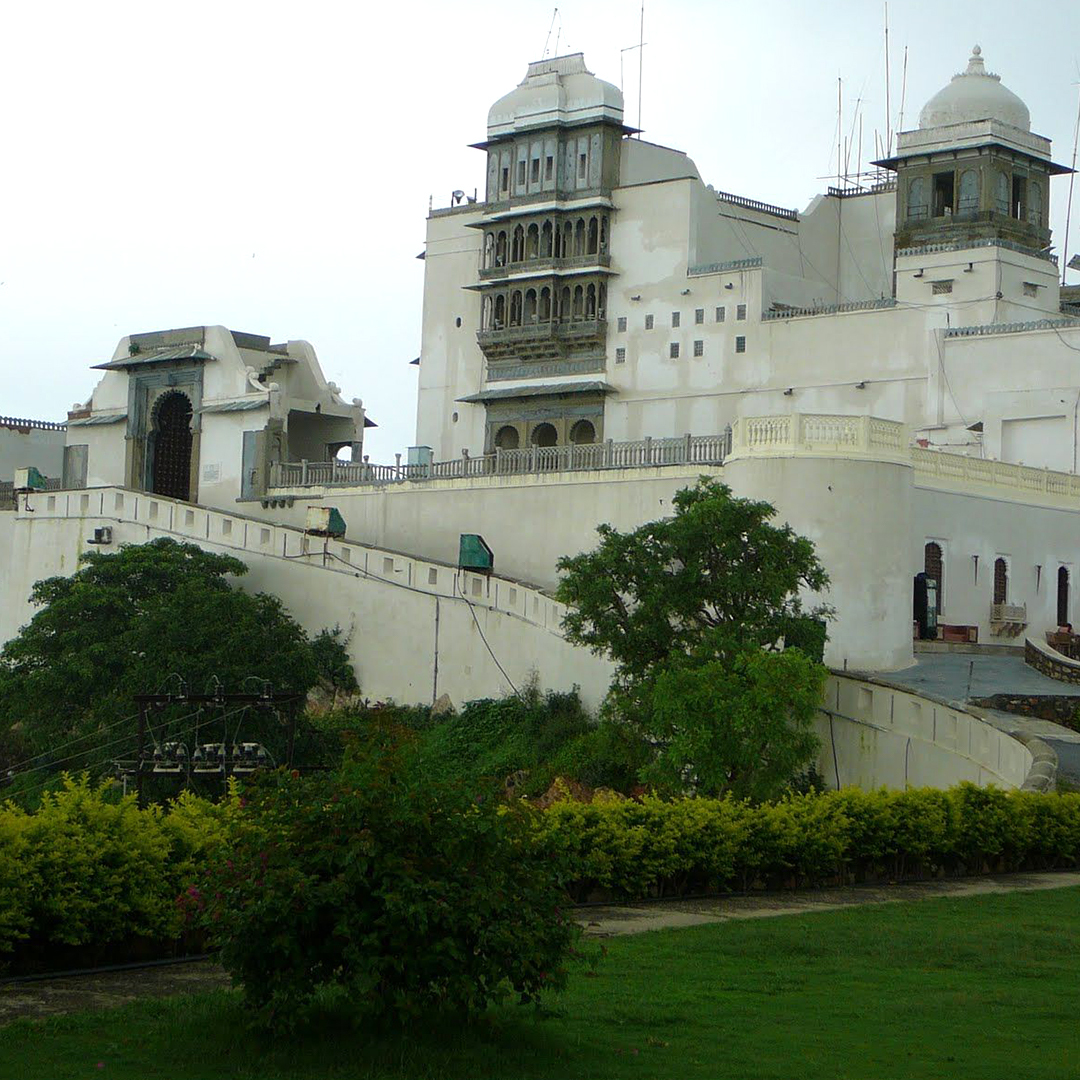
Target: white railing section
column 1021, row 481
column 532, row 460
column 255, row 537
column 813, row 433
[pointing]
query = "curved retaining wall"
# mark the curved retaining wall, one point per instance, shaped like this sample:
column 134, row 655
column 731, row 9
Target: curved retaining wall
column 1050, row 662
column 874, row 735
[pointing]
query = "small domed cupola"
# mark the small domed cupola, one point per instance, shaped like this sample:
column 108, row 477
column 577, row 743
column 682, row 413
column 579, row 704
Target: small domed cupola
column 973, row 172
column 975, row 94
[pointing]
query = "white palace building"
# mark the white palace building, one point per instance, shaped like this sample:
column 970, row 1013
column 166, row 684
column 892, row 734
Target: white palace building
column 896, row 368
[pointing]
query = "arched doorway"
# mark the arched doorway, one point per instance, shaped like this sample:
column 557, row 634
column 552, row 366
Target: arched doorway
column 544, row 435
column 171, row 470
column 1063, row 596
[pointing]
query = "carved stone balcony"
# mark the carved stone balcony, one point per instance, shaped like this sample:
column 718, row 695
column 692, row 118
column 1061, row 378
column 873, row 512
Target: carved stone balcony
column 546, row 265
column 544, row 339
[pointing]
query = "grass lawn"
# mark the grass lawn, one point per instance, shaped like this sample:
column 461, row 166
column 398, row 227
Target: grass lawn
column 984, row 988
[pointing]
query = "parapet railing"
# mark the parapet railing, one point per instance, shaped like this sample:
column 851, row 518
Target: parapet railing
column 1021, row 480
column 754, row 204
column 832, row 309
column 793, row 433
column 989, row 329
column 28, row 425
column 1008, row 245
column 533, row 460
column 722, row 267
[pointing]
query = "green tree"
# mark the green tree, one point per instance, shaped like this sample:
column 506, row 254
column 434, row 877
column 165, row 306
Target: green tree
column 717, row 659
column 140, row 620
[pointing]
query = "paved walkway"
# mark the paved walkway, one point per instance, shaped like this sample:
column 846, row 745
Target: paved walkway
column 616, row 919
column 963, row 677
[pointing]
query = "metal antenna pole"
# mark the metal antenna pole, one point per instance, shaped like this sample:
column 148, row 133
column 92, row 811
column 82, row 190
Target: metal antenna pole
column 903, row 94
column 641, row 65
column 1068, row 212
column 888, row 100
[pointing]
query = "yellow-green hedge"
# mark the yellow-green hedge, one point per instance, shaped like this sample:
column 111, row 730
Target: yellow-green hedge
column 652, row 847
column 88, row 873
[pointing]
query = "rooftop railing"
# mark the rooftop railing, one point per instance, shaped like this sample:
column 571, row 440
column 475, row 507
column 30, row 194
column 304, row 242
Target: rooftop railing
column 28, row 425
column 533, row 460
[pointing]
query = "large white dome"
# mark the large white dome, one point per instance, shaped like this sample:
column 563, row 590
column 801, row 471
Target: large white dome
column 975, row 94
column 560, row 90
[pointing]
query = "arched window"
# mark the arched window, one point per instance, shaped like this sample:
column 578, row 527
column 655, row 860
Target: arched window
column 532, row 242
column 1063, row 596
column 594, row 236
column 171, row 446
column 579, row 301
column 530, row 306
column 935, row 570
column 590, row 302
column 489, row 250
column 568, row 240
column 1001, row 581
column 603, row 235
column 517, row 247
column 969, row 191
column 564, row 304
column 1001, row 193
column 579, row 237
column 500, row 312
column 545, row 304
column 917, row 205
column 544, row 435
column 515, row 308
column 500, row 249
column 546, row 241
column 485, row 313
column 507, row 437
column 601, row 305
column 583, row 432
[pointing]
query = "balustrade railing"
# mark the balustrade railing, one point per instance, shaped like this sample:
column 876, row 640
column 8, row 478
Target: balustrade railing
column 574, row 457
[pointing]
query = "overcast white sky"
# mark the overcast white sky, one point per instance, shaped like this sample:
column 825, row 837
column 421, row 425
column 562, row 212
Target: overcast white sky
column 268, row 165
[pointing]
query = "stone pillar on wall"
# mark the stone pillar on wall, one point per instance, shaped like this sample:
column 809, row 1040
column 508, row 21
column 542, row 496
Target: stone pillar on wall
column 846, row 483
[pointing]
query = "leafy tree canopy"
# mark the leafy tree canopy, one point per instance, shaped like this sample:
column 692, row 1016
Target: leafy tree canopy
column 695, row 610
column 132, row 622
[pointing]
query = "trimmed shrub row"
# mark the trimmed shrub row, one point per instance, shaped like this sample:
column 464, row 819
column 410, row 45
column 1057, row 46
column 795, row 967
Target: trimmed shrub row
column 89, row 878
column 651, row 847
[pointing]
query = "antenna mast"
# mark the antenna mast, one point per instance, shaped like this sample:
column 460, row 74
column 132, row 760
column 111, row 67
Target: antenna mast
column 903, row 94
column 1072, row 177
column 839, row 125
column 641, row 64
column 888, row 101
column 547, row 40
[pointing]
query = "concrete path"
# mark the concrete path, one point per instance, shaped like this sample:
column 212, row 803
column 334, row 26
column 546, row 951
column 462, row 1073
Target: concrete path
column 616, row 919
column 963, row 677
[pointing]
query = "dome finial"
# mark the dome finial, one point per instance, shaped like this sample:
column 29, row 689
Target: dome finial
column 975, row 64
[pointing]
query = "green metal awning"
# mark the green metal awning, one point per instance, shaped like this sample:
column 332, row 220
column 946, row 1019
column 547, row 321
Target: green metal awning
column 158, row 356
column 539, row 390
column 93, row 421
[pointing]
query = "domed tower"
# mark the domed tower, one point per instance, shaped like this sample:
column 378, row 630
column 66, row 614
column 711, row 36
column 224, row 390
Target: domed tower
column 553, row 151
column 973, row 170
